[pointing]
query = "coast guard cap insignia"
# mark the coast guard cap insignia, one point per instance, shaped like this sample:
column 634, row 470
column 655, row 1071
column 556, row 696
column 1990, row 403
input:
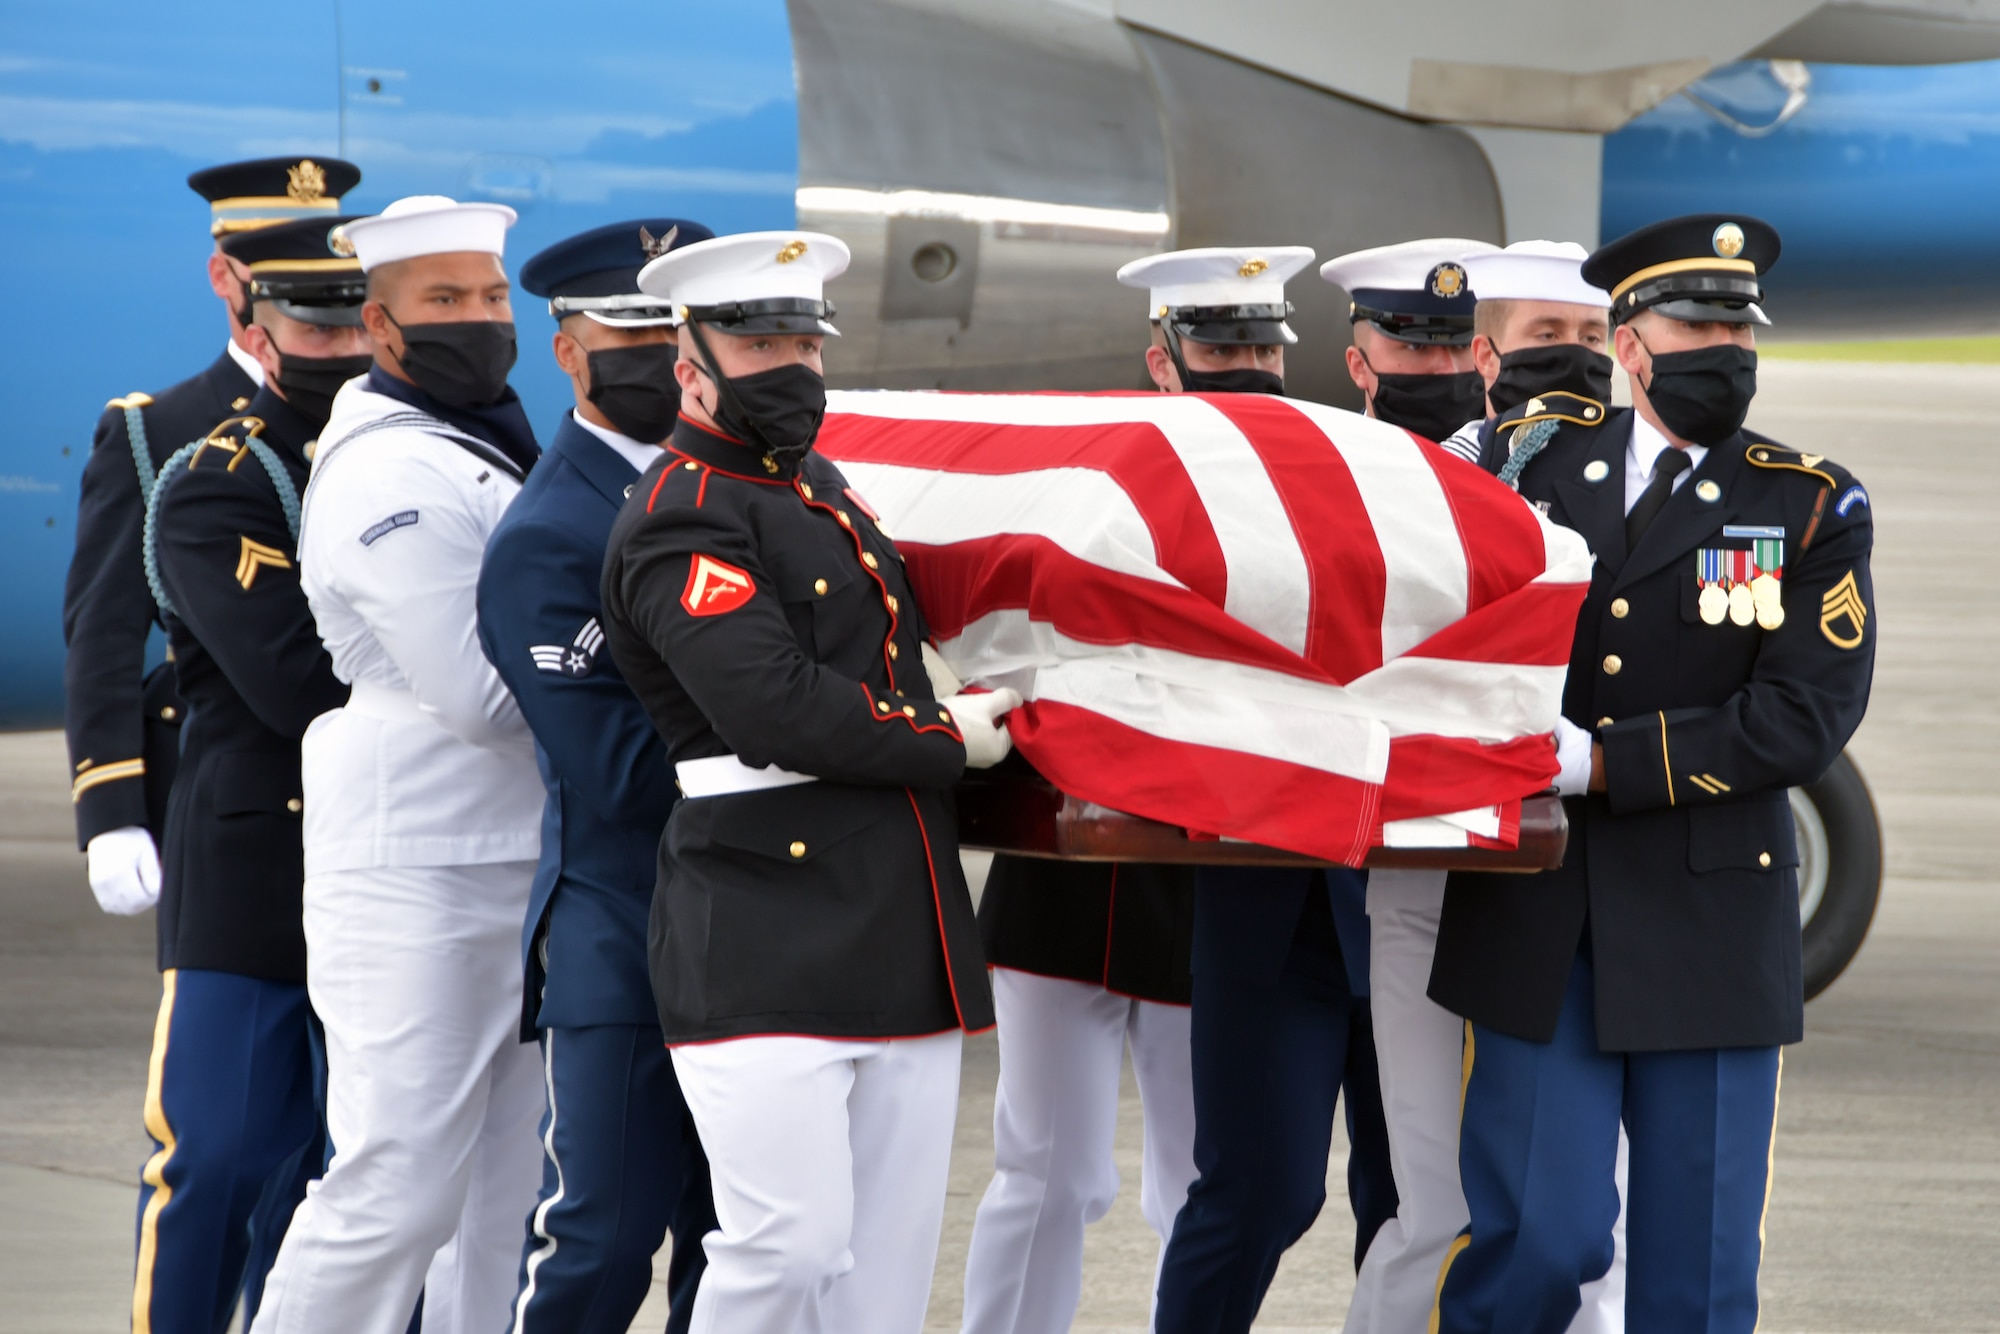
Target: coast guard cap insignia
column 1447, row 280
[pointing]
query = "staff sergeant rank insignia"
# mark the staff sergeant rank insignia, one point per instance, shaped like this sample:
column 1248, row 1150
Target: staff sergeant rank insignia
column 1843, row 603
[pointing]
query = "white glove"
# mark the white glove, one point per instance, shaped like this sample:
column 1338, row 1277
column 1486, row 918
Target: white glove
column 1573, row 754
column 978, row 719
column 124, row 870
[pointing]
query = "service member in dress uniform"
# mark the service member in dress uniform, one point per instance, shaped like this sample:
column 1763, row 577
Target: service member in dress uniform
column 1089, row 957
column 123, row 723
column 1410, row 305
column 813, row 947
column 1539, row 339
column 1722, row 656
column 422, row 807
column 1280, row 1023
column 230, row 1095
column 622, row 1161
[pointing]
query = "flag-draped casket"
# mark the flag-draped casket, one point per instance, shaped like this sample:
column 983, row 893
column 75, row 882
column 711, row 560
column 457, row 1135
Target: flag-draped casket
column 1251, row 617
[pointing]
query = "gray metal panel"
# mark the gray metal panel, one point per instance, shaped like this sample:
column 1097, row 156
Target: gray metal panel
column 1261, row 160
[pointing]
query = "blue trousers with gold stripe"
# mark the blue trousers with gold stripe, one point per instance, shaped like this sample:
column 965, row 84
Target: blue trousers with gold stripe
column 236, row 1130
column 1538, row 1146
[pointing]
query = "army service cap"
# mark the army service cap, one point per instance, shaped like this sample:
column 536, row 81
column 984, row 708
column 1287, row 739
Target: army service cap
column 596, row 273
column 1415, row 291
column 419, row 225
column 243, row 196
column 752, row 282
column 1533, row 271
column 1703, row 268
column 305, row 268
column 1227, row 296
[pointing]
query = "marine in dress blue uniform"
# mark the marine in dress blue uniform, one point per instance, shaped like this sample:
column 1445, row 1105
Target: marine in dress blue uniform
column 1722, row 655
column 123, row 722
column 813, row 948
column 623, row 1163
column 231, row 1095
column 1279, row 974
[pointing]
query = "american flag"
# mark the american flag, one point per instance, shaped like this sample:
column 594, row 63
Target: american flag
column 1252, row 617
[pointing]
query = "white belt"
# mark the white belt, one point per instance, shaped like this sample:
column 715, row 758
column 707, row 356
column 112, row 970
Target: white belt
column 386, row 703
column 720, row 775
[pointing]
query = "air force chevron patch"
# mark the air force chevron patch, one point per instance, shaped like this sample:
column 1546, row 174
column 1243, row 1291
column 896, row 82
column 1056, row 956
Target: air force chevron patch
column 573, row 659
column 715, row 587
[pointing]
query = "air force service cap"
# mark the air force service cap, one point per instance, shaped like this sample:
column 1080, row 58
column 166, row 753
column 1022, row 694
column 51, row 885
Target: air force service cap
column 1414, row 292
column 1229, row 296
column 752, row 282
column 246, row 195
column 418, row 225
column 597, row 273
column 305, row 268
column 1702, row 268
column 1533, row 271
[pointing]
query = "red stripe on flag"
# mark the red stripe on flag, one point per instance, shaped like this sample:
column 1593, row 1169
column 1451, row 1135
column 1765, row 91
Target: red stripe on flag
column 1436, row 775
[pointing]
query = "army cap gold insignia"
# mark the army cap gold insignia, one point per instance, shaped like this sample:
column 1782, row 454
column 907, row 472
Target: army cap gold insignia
column 1728, row 240
column 792, row 250
column 306, row 182
column 337, row 242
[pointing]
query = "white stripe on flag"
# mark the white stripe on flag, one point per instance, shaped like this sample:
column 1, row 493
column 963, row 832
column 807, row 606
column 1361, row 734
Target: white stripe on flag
column 1177, row 696
column 1269, row 588
column 1480, row 701
column 1414, row 527
column 1081, row 510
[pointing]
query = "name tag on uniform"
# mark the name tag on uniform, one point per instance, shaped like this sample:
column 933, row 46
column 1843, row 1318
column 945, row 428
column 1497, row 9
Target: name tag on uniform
column 1743, row 584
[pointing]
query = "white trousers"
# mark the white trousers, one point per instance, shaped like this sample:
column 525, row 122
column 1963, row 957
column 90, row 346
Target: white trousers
column 1062, row 1047
column 432, row 1105
column 1420, row 1048
column 829, row 1160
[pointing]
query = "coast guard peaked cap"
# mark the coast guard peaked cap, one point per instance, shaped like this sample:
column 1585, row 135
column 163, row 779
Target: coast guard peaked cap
column 418, row 225
column 596, row 273
column 1414, row 291
column 243, row 196
column 1533, row 271
column 1702, row 268
column 752, row 282
column 1223, row 295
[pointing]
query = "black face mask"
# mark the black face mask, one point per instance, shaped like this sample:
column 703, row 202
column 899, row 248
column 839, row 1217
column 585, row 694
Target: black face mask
column 463, row 364
column 778, row 410
column 1570, row 368
column 1703, row 396
column 309, row 383
column 1433, row 406
column 1239, row 381
column 634, row 388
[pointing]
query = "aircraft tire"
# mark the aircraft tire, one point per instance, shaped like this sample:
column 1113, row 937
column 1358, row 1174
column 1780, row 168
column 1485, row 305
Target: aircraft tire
column 1840, row 870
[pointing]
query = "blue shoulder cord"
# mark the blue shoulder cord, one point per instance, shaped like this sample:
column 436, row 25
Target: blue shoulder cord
column 288, row 500
column 1528, row 441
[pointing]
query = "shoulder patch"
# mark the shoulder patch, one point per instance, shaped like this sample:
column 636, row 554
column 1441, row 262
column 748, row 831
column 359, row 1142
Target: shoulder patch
column 255, row 556
column 388, row 525
column 573, row 659
column 715, row 587
column 1852, row 496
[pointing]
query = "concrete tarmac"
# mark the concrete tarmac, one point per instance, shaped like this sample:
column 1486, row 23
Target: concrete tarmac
column 1885, row 1207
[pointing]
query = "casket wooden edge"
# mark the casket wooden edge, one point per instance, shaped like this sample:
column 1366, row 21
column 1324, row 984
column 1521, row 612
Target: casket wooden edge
column 1017, row 811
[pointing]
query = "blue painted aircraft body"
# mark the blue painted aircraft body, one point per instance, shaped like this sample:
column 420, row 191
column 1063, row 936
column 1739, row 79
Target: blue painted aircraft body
column 1885, row 179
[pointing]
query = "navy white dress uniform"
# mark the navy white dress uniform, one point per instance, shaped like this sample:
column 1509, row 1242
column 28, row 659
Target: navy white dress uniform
column 1279, row 968
column 1417, row 293
column 623, row 1164
column 1091, row 957
column 813, row 947
column 1722, row 656
column 1419, row 1044
column 230, row 1099
column 422, row 826
column 123, row 723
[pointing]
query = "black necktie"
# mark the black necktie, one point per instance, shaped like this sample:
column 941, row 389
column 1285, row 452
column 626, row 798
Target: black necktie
column 1670, row 464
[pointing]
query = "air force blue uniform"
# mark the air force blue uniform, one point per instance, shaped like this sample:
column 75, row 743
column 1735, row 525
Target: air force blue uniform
column 624, row 1166
column 1653, row 976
